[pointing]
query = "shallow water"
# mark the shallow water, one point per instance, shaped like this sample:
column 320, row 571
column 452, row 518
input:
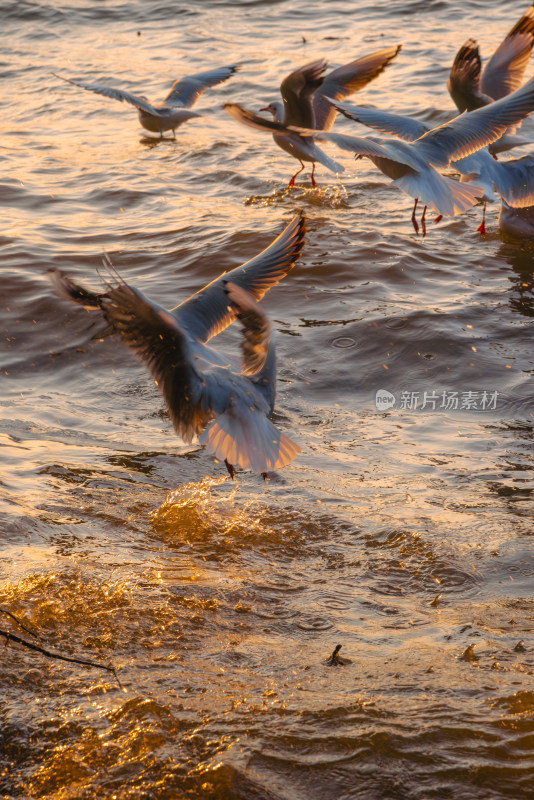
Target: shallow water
column 404, row 535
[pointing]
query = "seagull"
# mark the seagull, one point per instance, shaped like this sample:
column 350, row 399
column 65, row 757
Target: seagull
column 228, row 409
column 471, row 88
column 304, row 105
column 517, row 221
column 511, row 181
column 175, row 109
column 411, row 164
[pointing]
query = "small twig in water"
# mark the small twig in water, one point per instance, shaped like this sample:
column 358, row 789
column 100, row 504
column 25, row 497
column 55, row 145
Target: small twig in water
column 12, row 637
column 334, row 659
column 19, row 623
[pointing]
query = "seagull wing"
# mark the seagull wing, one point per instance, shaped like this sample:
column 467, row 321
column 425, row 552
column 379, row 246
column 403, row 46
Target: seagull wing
column 345, row 80
column 402, row 127
column 208, row 312
column 504, row 71
column 185, row 92
column 464, row 79
column 471, row 131
column 364, row 146
column 516, row 181
column 156, row 338
column 297, row 90
column 116, row 94
column 256, row 327
column 241, row 433
column 253, row 120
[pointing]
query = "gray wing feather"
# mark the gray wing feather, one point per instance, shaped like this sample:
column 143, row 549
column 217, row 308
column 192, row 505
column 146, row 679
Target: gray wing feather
column 297, row 90
column 256, row 327
column 346, row 80
column 504, row 71
column 365, row 146
column 516, row 184
column 464, row 79
column 156, row 338
column 402, row 127
column 471, row 131
column 206, row 313
column 186, row 91
column 115, row 94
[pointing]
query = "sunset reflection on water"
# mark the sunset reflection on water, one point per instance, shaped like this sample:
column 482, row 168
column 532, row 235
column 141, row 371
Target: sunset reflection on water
column 220, row 603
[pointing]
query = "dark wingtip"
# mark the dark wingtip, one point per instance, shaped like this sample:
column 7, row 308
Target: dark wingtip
column 525, row 24
column 300, row 233
column 69, row 290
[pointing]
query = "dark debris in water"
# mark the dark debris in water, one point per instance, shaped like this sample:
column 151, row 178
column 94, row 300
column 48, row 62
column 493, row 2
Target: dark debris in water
column 469, row 653
column 336, row 660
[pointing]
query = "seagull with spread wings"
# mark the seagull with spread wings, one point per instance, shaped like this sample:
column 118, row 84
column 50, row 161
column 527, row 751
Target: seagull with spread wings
column 176, row 107
column 304, row 105
column 411, row 163
column 228, row 409
column 511, row 181
column 471, row 87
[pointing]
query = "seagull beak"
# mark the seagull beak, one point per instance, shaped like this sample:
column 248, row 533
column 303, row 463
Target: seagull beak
column 265, row 109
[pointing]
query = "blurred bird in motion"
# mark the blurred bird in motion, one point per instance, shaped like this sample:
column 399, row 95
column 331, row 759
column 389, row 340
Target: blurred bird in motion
column 304, row 105
column 175, row 109
column 471, row 87
column 517, row 222
column 411, row 162
column 510, row 181
column 228, row 409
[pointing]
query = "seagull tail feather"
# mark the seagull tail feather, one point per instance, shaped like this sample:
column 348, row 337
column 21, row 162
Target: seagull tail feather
column 445, row 195
column 250, row 441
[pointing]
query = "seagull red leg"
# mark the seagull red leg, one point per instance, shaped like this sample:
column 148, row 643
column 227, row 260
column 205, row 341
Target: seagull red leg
column 414, row 221
column 313, row 177
column 482, row 227
column 230, row 468
column 292, row 181
column 439, row 218
column 423, row 221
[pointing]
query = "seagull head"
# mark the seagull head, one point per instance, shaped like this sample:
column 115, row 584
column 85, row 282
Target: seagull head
column 276, row 109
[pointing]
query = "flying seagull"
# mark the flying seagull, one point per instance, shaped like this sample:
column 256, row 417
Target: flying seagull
column 517, row 221
column 305, row 105
column 511, row 181
column 471, row 87
column 175, row 109
column 228, row 409
column 412, row 164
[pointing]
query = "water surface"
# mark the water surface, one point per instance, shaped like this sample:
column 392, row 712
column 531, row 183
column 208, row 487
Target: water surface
column 404, row 535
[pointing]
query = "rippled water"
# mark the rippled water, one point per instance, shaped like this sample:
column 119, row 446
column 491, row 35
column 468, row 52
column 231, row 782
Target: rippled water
column 403, row 535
